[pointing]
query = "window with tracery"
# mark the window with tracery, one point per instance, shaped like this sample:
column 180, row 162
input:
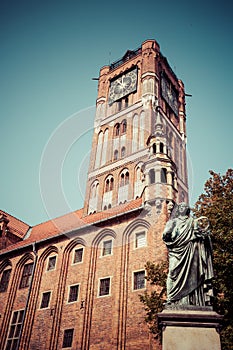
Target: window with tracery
column 109, row 184
column 124, row 179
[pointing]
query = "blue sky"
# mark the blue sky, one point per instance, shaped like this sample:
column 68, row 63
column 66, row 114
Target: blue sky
column 51, row 50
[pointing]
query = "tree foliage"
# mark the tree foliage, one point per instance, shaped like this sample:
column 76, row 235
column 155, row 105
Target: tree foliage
column 154, row 300
column 217, row 204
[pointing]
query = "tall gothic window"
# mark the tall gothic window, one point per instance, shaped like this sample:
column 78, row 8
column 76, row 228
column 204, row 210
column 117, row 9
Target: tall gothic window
column 99, row 149
column 26, row 275
column 135, row 133
column 14, row 330
column 109, row 184
column 104, row 148
column 108, row 193
column 124, row 180
column 5, row 280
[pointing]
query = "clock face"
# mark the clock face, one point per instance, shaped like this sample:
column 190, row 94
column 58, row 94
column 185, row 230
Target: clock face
column 169, row 94
column 122, row 86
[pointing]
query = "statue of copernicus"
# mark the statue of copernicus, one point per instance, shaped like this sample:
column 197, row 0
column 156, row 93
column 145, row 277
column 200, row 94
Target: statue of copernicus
column 190, row 274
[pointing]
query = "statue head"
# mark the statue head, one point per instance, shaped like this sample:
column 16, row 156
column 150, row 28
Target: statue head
column 183, row 209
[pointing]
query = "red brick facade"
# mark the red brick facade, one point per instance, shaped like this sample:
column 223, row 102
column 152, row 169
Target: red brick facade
column 74, row 282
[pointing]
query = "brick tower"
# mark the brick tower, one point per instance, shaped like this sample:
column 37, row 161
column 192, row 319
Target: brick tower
column 138, row 147
column 74, row 281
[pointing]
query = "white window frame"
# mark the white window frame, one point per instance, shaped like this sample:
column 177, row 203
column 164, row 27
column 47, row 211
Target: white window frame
column 135, row 241
column 41, row 298
column 72, row 285
column 78, row 262
column 110, row 287
column 135, row 271
column 102, row 248
column 8, row 338
column 49, row 257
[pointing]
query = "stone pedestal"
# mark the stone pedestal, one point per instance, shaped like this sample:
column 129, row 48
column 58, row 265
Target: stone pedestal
column 190, row 329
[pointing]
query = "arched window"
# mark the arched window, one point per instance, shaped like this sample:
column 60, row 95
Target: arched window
column 142, row 130
column 93, row 200
column 123, row 152
column 122, row 181
column 123, row 126
column 115, row 155
column 164, row 175
column 124, row 178
column 99, row 149
column 117, row 129
column 135, row 133
column 173, row 179
column 154, row 148
column 108, row 193
column 161, row 147
column 127, row 178
column 109, row 183
column 152, row 176
column 94, row 189
column 138, row 173
column 105, row 148
column 123, row 190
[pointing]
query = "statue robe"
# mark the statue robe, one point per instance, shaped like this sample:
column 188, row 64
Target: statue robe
column 190, row 262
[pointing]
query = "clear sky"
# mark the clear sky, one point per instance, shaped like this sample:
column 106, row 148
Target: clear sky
column 51, row 50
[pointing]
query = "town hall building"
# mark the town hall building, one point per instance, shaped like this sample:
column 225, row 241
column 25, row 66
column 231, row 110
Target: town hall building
column 74, row 281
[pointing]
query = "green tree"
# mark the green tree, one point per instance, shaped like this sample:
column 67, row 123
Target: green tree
column 154, row 300
column 217, row 204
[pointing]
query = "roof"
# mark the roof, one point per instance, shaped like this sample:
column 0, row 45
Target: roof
column 16, row 226
column 70, row 222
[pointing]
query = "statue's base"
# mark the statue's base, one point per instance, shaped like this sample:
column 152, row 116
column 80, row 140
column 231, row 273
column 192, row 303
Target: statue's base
column 190, row 329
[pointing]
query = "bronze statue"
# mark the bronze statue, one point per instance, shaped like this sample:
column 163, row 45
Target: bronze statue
column 190, row 259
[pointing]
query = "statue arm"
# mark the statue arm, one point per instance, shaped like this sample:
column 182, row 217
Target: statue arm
column 167, row 233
